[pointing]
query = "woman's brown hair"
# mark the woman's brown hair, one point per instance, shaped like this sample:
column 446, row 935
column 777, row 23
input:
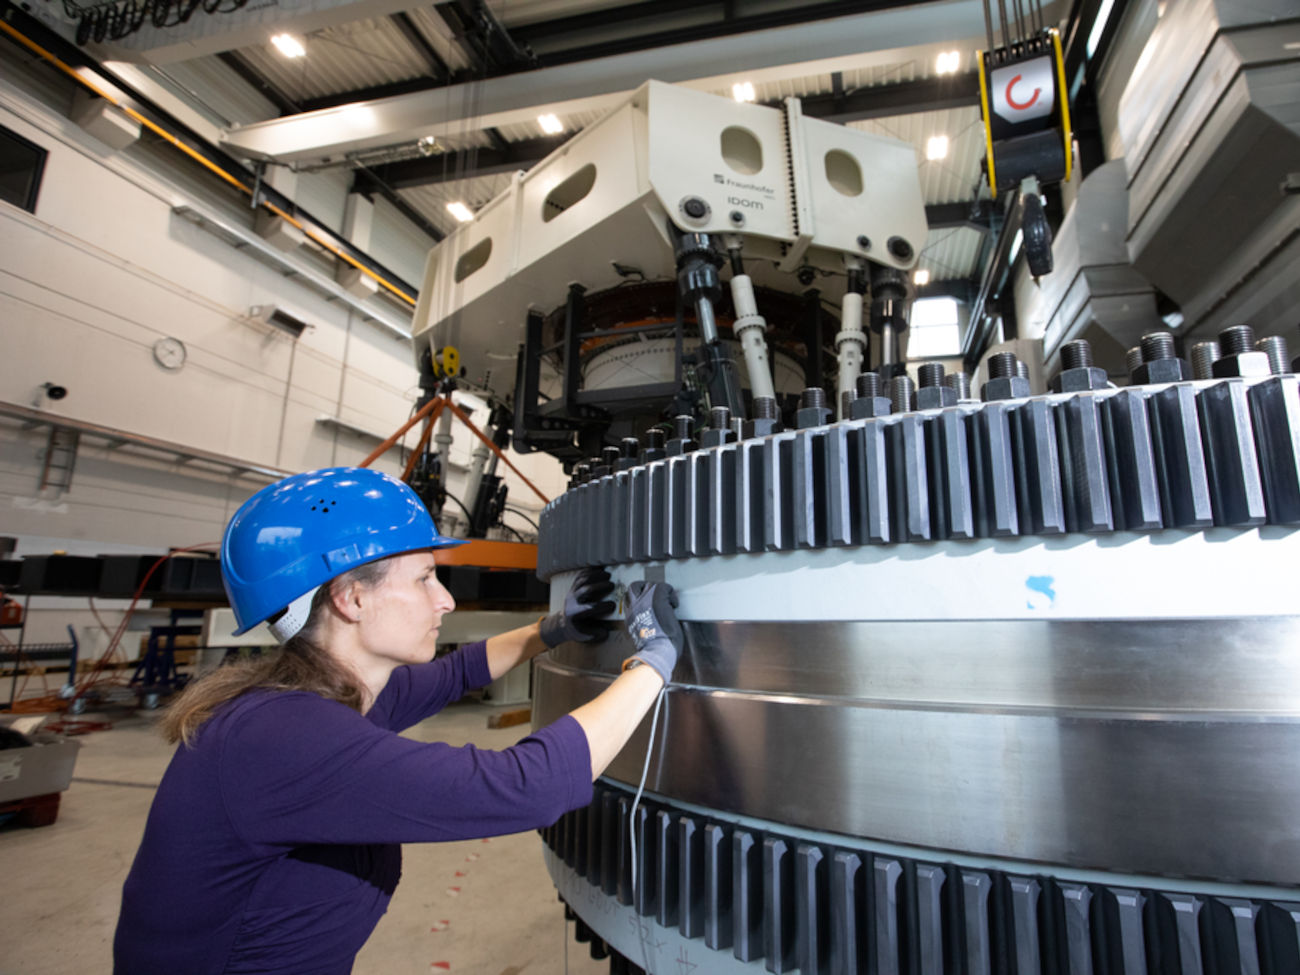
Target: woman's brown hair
column 301, row 664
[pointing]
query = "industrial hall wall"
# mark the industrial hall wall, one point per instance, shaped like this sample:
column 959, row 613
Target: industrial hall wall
column 105, row 268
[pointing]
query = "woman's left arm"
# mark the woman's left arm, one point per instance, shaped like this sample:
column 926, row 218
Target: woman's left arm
column 509, row 650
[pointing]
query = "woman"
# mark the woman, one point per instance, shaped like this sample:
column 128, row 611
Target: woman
column 272, row 844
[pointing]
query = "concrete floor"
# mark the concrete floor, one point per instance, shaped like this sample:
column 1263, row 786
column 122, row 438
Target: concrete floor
column 482, row 906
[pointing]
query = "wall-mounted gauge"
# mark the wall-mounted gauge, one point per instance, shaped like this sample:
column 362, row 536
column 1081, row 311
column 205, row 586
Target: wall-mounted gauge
column 169, row 353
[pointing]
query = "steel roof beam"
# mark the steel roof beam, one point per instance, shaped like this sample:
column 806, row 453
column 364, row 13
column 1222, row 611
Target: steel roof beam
column 893, row 36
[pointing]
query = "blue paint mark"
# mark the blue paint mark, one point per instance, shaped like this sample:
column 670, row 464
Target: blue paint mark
column 1040, row 586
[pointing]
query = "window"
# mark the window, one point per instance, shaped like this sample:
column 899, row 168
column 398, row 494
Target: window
column 21, row 164
column 934, row 329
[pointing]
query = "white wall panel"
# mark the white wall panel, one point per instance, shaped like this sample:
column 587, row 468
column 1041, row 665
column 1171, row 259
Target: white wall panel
column 104, row 269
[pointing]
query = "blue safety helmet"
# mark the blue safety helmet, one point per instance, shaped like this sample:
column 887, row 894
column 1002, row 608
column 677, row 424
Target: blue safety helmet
column 299, row 533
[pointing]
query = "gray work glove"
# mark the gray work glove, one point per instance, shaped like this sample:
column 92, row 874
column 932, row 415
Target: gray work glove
column 653, row 627
column 580, row 620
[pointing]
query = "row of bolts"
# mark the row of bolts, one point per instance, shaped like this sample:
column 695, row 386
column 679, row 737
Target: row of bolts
column 937, row 390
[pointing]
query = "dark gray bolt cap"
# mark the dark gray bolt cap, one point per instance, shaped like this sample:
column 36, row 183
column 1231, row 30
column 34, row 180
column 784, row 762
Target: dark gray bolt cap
column 1165, row 371
column 935, row 397
column 865, row 407
column 1078, row 380
column 1242, row 364
column 1005, row 387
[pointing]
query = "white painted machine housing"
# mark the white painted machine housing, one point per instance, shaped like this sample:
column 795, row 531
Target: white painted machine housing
column 802, row 191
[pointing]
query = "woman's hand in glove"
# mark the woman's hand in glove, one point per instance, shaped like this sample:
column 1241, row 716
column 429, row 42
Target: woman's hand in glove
column 586, row 604
column 653, row 627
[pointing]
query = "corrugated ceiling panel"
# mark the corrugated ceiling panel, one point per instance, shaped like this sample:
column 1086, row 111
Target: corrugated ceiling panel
column 434, row 29
column 432, row 200
column 944, row 180
column 951, row 253
column 214, row 84
column 340, row 59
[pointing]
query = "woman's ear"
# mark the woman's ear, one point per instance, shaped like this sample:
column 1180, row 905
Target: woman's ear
column 346, row 598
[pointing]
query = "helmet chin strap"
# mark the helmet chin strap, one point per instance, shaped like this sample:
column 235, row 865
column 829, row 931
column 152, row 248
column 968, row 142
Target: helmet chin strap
column 294, row 618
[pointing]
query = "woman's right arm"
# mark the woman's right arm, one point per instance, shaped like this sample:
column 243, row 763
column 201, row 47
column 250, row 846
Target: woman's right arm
column 610, row 718
column 614, row 714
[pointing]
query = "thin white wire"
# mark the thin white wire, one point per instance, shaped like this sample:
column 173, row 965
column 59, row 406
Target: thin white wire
column 631, row 826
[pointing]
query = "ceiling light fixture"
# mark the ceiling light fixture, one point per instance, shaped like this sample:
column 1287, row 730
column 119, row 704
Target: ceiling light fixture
column 936, row 147
column 743, row 91
column 460, row 211
column 550, row 124
column 947, row 62
column 288, row 45
column 921, row 278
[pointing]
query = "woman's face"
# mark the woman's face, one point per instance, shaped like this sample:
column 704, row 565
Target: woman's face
column 401, row 615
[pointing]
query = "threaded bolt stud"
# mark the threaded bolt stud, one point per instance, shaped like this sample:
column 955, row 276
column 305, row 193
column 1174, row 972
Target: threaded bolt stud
column 958, row 382
column 1076, row 355
column 1157, row 345
column 1002, row 365
column 654, row 439
column 765, row 408
column 901, row 394
column 929, row 374
column 720, row 418
column 1274, row 346
column 1237, row 339
column 1204, row 355
column 683, row 426
column 814, row 398
column 868, row 385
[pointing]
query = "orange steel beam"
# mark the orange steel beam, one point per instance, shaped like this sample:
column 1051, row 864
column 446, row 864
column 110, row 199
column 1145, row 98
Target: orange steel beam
column 489, row 555
column 419, row 447
column 430, row 409
column 495, row 449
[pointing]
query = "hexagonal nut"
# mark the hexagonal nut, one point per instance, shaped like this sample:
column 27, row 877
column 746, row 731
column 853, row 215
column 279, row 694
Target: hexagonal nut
column 759, row 428
column 1162, row 371
column 715, row 438
column 811, row 416
column 865, row 407
column 935, row 397
column 1005, row 387
column 1079, row 380
column 1242, row 364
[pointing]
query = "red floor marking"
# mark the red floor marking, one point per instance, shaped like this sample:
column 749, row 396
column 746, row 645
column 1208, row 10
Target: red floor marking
column 487, row 840
column 440, row 926
column 453, row 891
column 471, row 858
column 461, row 873
column 444, row 965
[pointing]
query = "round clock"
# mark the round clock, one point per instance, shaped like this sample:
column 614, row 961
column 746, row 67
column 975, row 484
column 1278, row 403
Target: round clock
column 169, row 353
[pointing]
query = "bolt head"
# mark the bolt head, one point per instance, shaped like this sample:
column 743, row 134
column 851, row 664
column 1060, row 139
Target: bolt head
column 1165, row 371
column 935, row 397
column 759, row 428
column 1005, row 387
column 1078, row 380
column 864, row 242
column 1242, row 364
column 737, row 217
column 811, row 416
column 866, row 407
column 695, row 208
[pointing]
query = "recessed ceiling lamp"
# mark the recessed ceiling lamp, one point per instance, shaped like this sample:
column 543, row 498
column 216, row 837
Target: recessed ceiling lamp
column 460, row 211
column 743, row 91
column 936, row 147
column 288, row 45
column 921, row 277
column 550, row 124
column 947, row 62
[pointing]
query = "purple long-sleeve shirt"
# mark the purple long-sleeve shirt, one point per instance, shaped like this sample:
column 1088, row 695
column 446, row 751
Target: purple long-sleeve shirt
column 272, row 844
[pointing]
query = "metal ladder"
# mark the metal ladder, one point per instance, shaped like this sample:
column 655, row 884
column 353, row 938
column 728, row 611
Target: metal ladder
column 60, row 460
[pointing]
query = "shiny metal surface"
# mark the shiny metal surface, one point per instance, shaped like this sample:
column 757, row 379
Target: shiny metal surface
column 1169, row 748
